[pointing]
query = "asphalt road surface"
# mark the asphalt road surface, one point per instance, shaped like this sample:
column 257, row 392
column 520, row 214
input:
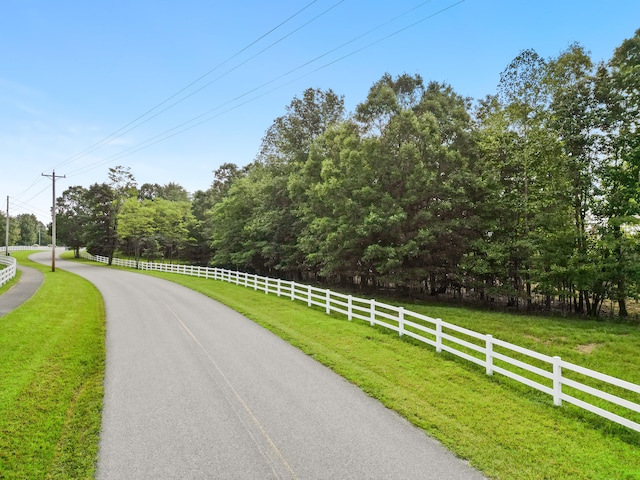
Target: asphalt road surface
column 30, row 281
column 196, row 390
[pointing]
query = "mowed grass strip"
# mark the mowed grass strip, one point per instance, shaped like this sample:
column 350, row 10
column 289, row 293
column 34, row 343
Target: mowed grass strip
column 52, row 358
column 502, row 430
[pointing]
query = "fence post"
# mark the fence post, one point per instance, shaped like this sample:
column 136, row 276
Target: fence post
column 350, row 307
column 489, row 353
column 293, row 290
column 278, row 286
column 438, row 335
column 373, row 312
column 266, row 285
column 255, row 281
column 401, row 321
column 328, row 302
column 308, row 295
column 557, row 381
column 246, row 280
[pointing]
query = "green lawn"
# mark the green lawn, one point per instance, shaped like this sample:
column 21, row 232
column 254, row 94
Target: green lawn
column 51, row 379
column 505, row 429
column 52, row 368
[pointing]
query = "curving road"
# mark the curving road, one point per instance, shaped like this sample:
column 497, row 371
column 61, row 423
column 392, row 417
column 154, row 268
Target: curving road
column 30, row 281
column 195, row 390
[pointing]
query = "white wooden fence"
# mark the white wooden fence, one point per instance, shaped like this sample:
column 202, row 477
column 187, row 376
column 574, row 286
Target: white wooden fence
column 22, row 248
column 609, row 397
column 9, row 271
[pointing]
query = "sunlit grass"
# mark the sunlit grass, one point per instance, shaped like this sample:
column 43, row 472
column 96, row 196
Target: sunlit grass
column 506, row 431
column 51, row 379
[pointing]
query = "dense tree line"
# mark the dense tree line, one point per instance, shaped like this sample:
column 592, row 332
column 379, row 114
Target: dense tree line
column 24, row 229
column 152, row 221
column 529, row 197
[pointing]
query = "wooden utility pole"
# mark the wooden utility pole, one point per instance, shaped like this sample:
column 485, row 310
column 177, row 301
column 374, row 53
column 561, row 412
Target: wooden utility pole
column 53, row 219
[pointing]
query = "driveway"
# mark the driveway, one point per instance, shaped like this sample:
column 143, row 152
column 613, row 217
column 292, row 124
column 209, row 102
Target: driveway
column 196, row 390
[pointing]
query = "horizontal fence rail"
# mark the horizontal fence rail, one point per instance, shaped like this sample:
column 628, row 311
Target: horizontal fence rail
column 8, row 264
column 22, row 248
column 9, row 270
column 609, row 397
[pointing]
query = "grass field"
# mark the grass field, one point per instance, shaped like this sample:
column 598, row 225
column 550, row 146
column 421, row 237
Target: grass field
column 504, row 429
column 51, row 380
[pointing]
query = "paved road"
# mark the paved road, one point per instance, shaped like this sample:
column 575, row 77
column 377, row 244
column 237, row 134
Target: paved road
column 195, row 390
column 29, row 282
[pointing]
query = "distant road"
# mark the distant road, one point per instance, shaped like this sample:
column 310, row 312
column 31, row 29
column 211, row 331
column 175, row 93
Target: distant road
column 196, row 390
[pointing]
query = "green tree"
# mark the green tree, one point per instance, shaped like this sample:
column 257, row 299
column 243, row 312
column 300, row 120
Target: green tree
column 388, row 201
column 573, row 108
column 123, row 186
column 288, row 139
column 267, row 237
column 620, row 97
column 28, row 225
column 201, row 231
column 72, row 218
column 228, row 219
column 101, row 224
column 171, row 221
column 14, row 230
column 136, row 223
column 534, row 179
column 171, row 191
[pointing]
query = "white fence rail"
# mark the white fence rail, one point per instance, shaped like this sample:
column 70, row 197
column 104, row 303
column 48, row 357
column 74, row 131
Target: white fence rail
column 609, row 397
column 9, row 271
column 22, row 248
column 11, row 268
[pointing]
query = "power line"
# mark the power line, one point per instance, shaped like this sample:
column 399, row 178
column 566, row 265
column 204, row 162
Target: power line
column 189, row 124
column 203, row 118
column 28, row 188
column 234, row 68
column 122, row 130
column 25, row 203
column 136, row 121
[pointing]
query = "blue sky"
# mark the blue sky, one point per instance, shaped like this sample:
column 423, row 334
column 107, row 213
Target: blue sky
column 72, row 73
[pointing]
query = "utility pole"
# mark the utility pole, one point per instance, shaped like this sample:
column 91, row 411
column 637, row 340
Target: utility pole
column 53, row 219
column 6, row 238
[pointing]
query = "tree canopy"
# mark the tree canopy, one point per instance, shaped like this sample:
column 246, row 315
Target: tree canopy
column 527, row 198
